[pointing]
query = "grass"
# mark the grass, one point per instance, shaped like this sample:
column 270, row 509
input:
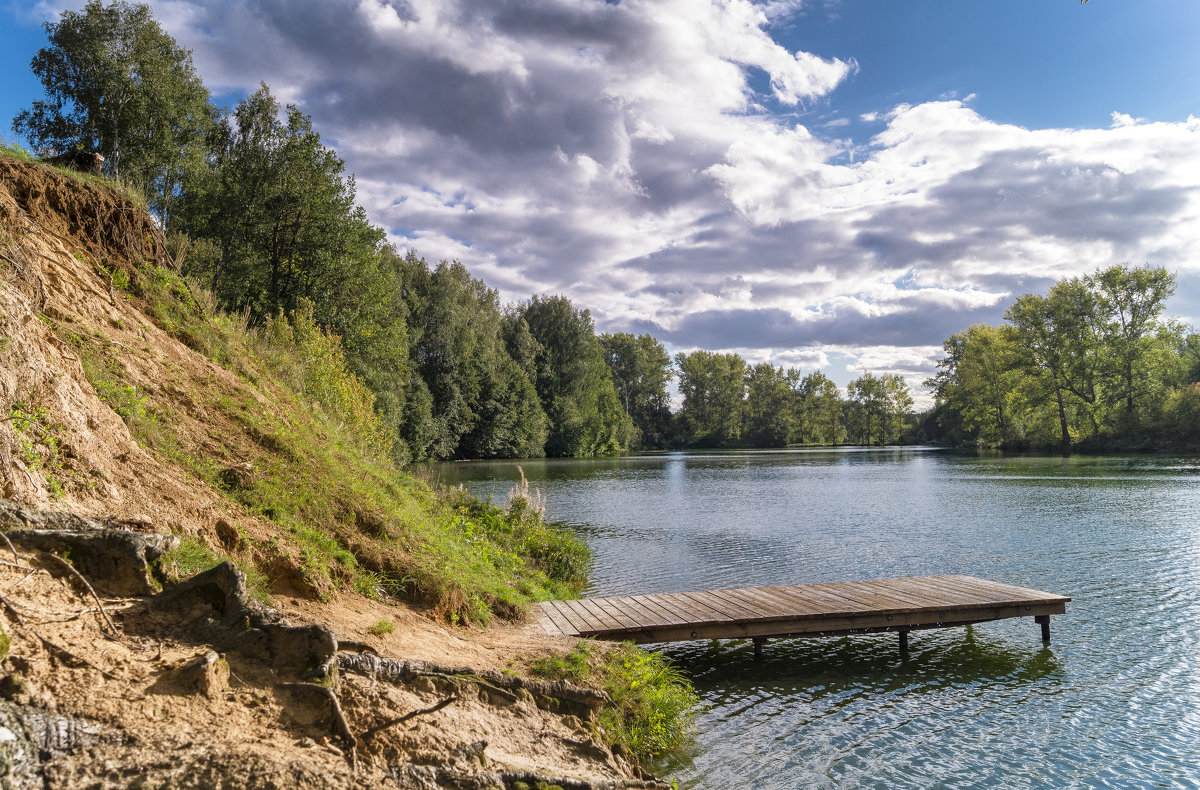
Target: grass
column 382, row 627
column 39, row 445
column 653, row 702
column 319, row 461
column 193, row 556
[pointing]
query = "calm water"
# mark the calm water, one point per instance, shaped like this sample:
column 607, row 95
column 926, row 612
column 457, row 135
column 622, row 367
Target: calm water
column 1114, row 702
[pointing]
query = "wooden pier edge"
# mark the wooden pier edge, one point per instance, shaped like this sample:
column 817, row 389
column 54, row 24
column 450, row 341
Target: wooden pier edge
column 829, row 609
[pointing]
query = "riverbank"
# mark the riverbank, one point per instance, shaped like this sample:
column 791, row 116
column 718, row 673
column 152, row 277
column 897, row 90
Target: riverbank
column 129, row 404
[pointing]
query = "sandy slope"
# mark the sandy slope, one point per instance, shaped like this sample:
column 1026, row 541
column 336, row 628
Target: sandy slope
column 135, row 722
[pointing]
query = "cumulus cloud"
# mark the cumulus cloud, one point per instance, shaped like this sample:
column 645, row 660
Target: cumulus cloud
column 627, row 154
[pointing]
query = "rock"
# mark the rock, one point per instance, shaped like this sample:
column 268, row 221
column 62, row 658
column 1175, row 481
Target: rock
column 208, row 674
column 82, row 161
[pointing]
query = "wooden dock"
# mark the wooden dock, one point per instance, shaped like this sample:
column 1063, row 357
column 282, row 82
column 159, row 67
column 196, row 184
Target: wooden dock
column 838, row 608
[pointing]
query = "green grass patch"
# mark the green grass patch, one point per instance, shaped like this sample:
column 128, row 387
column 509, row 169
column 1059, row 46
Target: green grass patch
column 384, row 626
column 653, row 702
column 39, row 445
column 193, row 556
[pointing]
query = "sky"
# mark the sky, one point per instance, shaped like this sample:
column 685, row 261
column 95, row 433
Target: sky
column 833, row 185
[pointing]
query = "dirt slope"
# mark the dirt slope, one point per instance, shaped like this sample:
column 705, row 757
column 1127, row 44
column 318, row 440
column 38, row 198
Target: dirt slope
column 141, row 702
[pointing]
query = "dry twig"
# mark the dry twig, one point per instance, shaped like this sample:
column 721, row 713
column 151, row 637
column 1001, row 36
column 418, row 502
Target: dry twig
column 77, row 575
column 410, row 715
column 340, row 725
column 11, row 547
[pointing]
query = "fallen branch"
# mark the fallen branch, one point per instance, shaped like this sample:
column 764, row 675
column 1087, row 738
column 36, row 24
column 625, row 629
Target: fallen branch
column 340, row 725
column 27, row 577
column 410, row 715
column 11, row 547
column 16, row 564
column 77, row 575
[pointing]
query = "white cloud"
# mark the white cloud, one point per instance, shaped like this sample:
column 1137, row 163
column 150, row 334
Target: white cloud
column 618, row 153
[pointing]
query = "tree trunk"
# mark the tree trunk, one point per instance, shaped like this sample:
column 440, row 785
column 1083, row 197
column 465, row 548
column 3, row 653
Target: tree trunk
column 1062, row 419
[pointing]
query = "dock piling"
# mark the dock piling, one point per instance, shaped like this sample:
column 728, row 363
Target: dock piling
column 1044, row 621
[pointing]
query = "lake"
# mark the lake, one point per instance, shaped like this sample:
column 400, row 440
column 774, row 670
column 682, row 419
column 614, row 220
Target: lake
column 1113, row 702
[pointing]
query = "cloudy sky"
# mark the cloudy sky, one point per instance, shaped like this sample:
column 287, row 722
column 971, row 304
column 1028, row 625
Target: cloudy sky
column 829, row 184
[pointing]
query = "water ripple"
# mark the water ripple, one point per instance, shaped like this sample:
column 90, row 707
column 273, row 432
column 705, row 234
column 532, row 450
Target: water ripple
column 1114, row 703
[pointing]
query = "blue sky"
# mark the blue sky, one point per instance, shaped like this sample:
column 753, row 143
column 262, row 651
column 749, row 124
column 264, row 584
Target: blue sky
column 829, row 184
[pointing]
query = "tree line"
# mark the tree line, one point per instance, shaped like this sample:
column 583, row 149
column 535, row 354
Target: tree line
column 1092, row 364
column 261, row 212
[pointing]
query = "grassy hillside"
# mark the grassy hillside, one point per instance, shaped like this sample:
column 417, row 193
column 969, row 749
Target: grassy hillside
column 290, row 439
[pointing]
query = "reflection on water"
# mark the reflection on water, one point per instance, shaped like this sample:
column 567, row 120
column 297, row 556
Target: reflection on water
column 1113, row 703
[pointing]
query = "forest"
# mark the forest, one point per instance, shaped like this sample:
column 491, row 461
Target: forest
column 258, row 210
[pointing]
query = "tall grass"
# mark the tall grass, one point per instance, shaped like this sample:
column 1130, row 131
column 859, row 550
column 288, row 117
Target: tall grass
column 653, row 702
column 320, row 465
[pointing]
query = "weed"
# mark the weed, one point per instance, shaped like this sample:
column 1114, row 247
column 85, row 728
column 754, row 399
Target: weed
column 382, row 627
column 38, row 444
column 4, row 644
column 653, row 702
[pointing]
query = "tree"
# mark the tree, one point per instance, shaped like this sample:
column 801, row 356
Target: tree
column 819, row 411
column 471, row 399
column 117, row 84
column 584, row 414
column 714, row 392
column 1059, row 336
column 640, row 369
column 770, row 405
column 1137, row 340
column 879, row 406
column 977, row 380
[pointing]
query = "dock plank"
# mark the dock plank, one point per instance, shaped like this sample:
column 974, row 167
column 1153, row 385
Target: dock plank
column 789, row 610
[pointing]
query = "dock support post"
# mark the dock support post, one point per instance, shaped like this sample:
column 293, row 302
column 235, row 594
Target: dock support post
column 758, row 643
column 1044, row 621
column 904, row 641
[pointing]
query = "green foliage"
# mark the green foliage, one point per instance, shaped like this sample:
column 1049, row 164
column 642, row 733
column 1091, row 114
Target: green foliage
column 5, row 643
column 714, row 392
column 769, row 411
column 117, row 84
column 641, row 369
column 272, row 225
column 468, row 397
column 584, row 414
column 1090, row 363
column 39, row 445
column 878, row 407
column 653, row 702
column 819, row 412
column 384, row 626
column 322, row 375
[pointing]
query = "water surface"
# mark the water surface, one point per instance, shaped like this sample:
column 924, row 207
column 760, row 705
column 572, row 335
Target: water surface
column 1114, row 702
